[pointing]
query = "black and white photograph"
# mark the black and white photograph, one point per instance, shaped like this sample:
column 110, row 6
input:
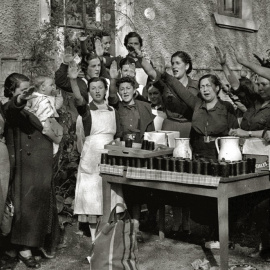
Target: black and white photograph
column 134, row 134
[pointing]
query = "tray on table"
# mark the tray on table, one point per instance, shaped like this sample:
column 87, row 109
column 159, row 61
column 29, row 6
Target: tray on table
column 122, row 151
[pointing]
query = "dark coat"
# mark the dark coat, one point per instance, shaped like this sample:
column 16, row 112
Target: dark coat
column 4, row 165
column 31, row 158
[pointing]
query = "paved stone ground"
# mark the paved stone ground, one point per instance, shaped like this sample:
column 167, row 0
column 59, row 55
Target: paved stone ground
column 153, row 254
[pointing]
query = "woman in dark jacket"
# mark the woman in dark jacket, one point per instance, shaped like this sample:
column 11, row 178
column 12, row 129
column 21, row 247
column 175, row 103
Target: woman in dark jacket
column 4, row 165
column 31, row 158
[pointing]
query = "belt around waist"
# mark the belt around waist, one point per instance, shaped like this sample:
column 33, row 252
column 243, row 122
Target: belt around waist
column 179, row 120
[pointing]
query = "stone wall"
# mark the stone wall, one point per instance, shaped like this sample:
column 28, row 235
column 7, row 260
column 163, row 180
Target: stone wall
column 189, row 25
column 19, row 19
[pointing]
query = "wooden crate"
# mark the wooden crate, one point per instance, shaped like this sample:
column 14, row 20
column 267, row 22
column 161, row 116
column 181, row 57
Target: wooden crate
column 116, row 150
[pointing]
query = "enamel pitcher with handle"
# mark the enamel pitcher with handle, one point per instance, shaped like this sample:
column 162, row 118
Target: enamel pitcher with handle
column 229, row 148
column 182, row 148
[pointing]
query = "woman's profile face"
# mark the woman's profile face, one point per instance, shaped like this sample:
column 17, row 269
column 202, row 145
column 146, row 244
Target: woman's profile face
column 23, row 86
column 179, row 68
column 97, row 91
column 208, row 90
column 264, row 88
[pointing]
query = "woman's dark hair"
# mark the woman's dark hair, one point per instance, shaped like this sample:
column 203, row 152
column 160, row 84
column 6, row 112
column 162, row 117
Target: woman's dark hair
column 125, row 80
column 214, row 79
column 132, row 35
column 98, row 79
column 246, row 92
column 102, row 34
column 185, row 58
column 126, row 61
column 85, row 60
column 12, row 82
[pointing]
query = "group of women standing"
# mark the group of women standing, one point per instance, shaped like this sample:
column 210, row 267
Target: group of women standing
column 26, row 154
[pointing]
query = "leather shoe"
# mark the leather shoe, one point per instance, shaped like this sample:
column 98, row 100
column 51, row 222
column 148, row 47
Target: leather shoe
column 46, row 255
column 30, row 262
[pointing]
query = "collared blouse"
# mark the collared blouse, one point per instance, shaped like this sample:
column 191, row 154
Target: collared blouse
column 174, row 105
column 214, row 122
column 256, row 117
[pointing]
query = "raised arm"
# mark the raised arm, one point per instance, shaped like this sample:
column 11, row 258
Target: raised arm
column 147, row 67
column 230, row 75
column 262, row 71
column 73, row 72
column 114, row 74
column 179, row 89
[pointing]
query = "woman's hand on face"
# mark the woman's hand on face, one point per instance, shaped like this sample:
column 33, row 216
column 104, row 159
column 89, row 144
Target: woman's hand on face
column 221, row 57
column 99, row 48
column 114, row 72
column 135, row 52
column 238, row 132
column 73, row 71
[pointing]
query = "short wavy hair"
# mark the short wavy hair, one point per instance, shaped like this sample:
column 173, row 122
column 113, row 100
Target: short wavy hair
column 185, row 58
column 131, row 35
column 213, row 78
column 12, row 82
column 98, row 79
column 125, row 80
column 85, row 61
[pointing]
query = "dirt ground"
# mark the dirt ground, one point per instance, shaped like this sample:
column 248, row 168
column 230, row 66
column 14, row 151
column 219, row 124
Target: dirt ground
column 155, row 254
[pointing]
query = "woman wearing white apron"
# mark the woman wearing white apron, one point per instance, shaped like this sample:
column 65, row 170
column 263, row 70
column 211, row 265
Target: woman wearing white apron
column 100, row 123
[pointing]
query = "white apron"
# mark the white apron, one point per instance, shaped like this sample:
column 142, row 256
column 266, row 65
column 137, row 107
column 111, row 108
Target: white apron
column 88, row 194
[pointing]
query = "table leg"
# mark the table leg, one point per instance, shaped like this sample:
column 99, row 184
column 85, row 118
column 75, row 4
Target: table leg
column 106, row 189
column 223, row 231
column 161, row 222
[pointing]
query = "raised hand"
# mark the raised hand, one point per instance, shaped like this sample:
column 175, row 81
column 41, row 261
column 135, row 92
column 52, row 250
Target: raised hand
column 28, row 93
column 68, row 58
column 114, row 72
column 134, row 52
column 221, row 57
column 73, row 71
column 99, row 48
column 239, row 57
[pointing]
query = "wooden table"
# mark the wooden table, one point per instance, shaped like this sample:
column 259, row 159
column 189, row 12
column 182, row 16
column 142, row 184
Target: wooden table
column 227, row 188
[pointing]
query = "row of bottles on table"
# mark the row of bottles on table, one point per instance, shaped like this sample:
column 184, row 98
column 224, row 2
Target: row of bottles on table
column 196, row 166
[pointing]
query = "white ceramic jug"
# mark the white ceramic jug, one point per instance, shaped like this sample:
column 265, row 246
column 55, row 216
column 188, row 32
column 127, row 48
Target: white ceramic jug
column 182, row 148
column 229, row 148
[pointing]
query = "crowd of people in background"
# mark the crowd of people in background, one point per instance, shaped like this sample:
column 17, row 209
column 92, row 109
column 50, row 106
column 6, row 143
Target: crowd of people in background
column 116, row 97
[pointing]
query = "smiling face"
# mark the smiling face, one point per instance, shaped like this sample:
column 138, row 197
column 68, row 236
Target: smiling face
column 106, row 43
column 154, row 96
column 263, row 88
column 97, row 91
column 179, row 68
column 23, row 86
column 126, row 92
column 93, row 69
column 208, row 90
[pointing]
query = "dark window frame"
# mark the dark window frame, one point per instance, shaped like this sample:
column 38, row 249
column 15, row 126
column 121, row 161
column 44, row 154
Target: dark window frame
column 237, row 8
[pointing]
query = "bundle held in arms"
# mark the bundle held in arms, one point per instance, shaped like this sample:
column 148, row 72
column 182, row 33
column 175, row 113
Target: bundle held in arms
column 115, row 247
